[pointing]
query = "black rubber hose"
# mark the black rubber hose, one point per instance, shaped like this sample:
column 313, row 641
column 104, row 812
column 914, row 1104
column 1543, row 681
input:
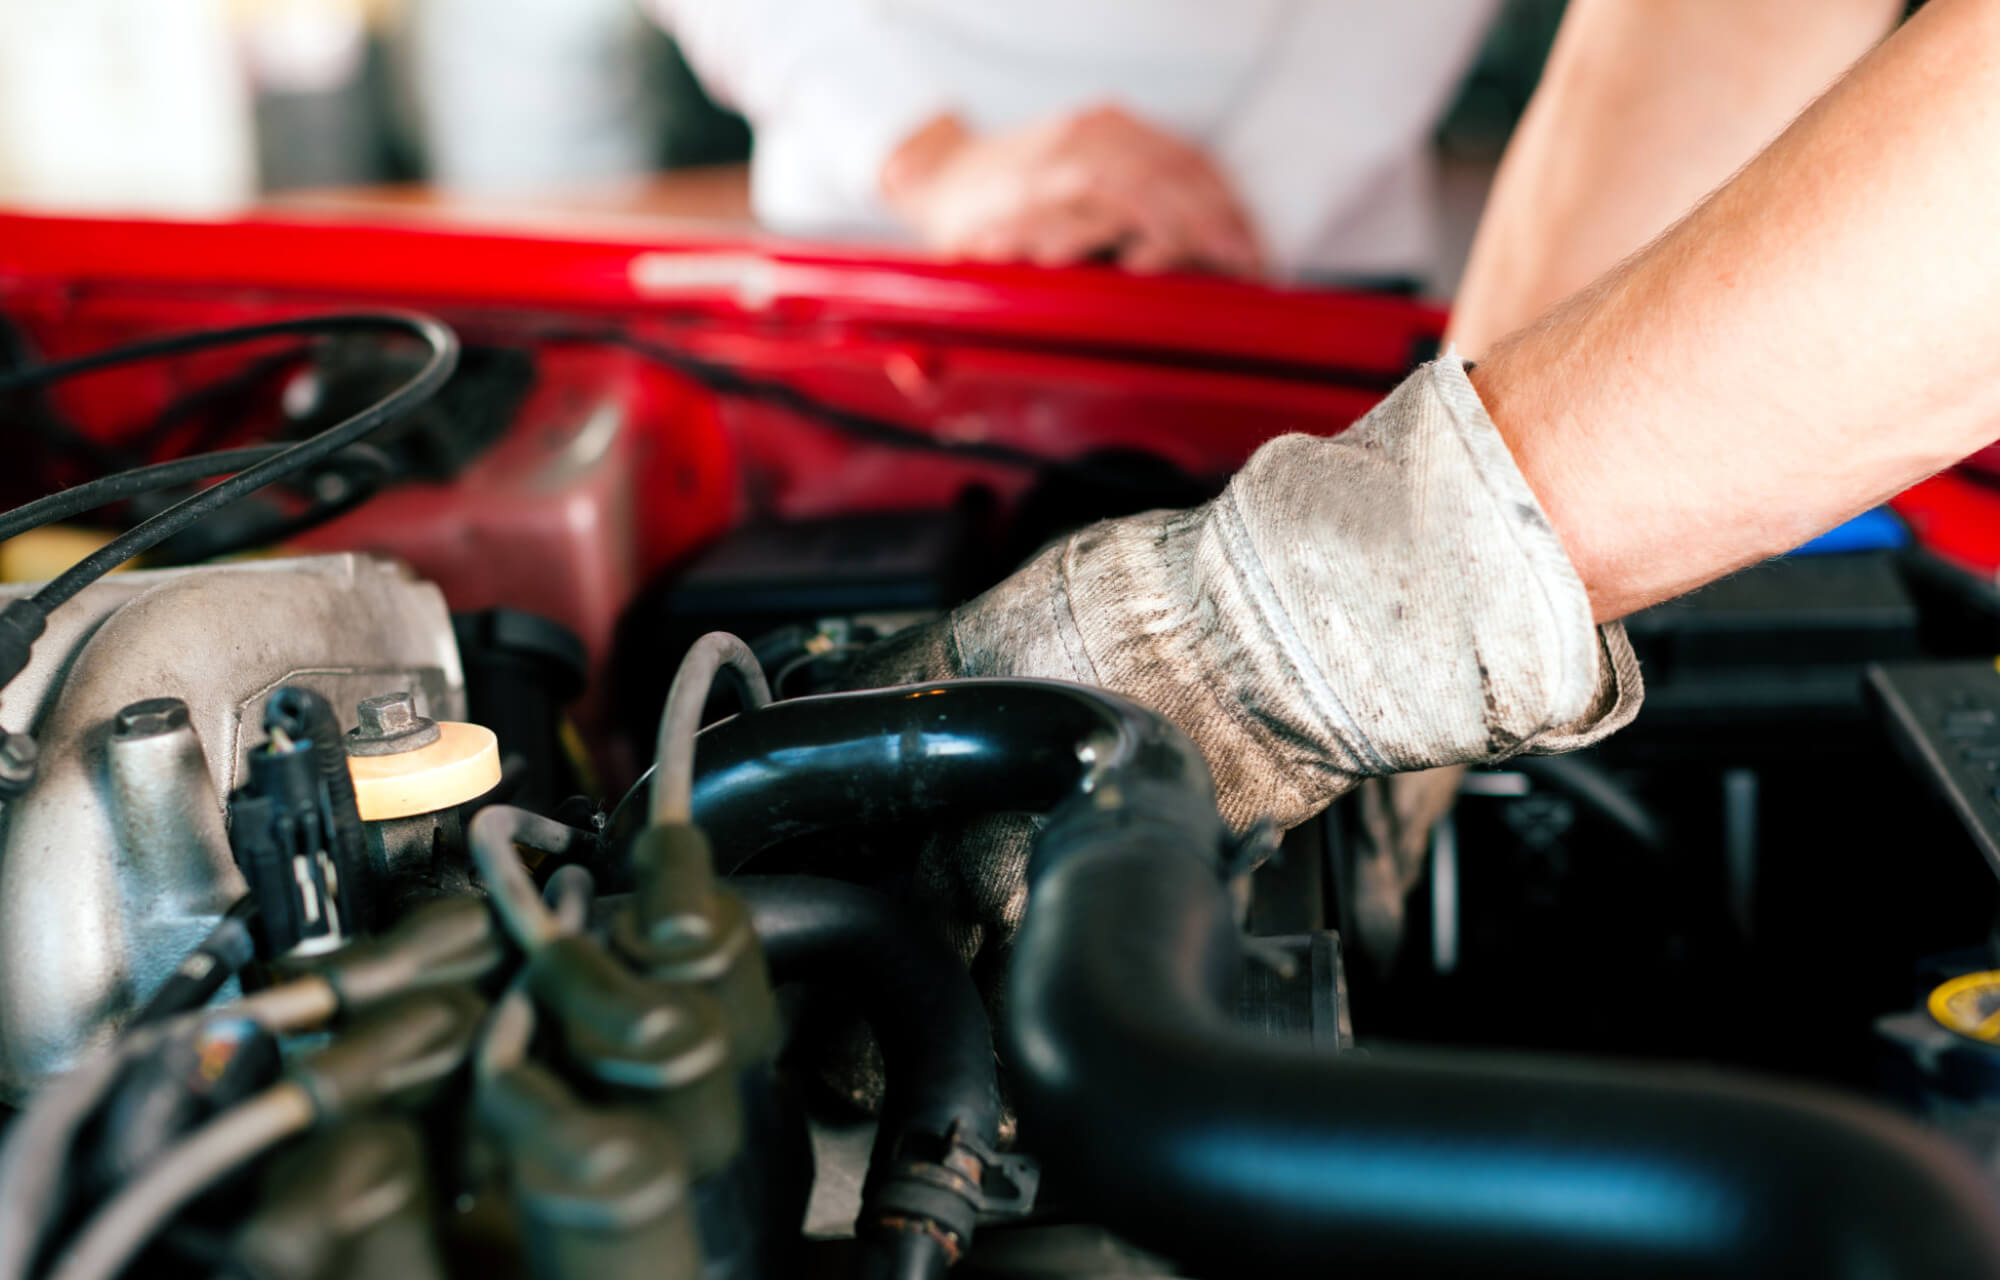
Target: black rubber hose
column 937, row 1051
column 913, row 993
column 1237, row 1156
column 908, row 1256
column 923, row 753
column 1245, row 1157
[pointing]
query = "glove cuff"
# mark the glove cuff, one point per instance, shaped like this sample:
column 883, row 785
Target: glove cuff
column 1389, row 599
column 1405, row 585
column 1599, row 689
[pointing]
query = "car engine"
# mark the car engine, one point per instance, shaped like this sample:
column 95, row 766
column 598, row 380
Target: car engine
column 461, row 844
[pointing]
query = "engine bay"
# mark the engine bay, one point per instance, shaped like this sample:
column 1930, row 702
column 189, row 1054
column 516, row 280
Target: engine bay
column 462, row 845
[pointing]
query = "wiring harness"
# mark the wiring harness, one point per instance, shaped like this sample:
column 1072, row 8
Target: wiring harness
column 23, row 621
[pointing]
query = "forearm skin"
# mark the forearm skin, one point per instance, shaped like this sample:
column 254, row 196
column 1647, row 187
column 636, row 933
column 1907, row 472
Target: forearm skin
column 1643, row 109
column 1819, row 334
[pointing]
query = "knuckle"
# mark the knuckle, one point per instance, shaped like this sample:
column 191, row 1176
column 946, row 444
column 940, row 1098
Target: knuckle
column 1101, row 117
column 1059, row 182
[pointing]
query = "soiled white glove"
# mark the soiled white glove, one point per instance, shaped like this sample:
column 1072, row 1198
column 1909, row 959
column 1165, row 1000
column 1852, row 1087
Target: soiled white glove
column 1389, row 599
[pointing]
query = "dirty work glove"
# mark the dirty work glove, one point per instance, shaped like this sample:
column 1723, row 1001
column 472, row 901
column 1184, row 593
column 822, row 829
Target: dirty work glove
column 1389, row 599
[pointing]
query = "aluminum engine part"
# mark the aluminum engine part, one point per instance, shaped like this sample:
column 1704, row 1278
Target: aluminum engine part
column 115, row 862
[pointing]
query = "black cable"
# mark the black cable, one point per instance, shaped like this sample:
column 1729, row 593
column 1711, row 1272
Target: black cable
column 175, row 344
column 232, row 391
column 363, row 482
column 23, row 621
column 799, row 663
column 41, row 418
column 222, row 955
column 726, row 381
column 151, row 532
column 358, row 484
column 118, row 486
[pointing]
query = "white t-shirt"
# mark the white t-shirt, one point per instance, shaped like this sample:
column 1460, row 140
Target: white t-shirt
column 1319, row 111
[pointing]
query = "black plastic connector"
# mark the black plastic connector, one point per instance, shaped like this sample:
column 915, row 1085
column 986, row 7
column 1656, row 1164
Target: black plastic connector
column 296, row 832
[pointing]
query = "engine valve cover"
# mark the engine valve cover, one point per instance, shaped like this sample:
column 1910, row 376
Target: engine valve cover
column 115, row 862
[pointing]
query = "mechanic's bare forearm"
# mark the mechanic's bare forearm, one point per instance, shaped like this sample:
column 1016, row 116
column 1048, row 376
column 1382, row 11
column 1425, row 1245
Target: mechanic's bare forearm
column 1815, row 337
column 1643, row 109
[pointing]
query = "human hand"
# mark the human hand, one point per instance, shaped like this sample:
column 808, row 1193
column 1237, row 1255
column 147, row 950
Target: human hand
column 1096, row 182
column 1386, row 600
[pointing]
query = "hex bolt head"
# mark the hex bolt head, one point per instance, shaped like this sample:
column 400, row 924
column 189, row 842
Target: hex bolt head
column 387, row 715
column 150, row 718
column 389, row 725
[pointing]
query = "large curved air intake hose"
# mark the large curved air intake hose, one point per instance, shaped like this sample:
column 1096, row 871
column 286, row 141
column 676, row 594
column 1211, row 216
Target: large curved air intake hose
column 1238, row 1155
column 917, row 999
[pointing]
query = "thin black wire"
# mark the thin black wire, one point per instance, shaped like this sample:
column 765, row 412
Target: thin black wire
column 362, row 470
column 226, row 391
column 287, row 461
column 724, row 380
column 372, row 471
column 54, row 371
column 120, row 485
column 41, row 418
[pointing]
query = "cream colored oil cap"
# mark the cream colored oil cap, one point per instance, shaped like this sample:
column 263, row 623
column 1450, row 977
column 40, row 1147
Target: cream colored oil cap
column 463, row 764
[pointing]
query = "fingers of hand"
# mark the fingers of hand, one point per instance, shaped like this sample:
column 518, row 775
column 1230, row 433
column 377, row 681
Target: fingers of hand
column 1174, row 199
column 1096, row 181
column 1051, row 235
column 1189, row 193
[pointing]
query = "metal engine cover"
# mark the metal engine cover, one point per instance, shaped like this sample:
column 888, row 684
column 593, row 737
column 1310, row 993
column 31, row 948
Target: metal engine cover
column 116, row 862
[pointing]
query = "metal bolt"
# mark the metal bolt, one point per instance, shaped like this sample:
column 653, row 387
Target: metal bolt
column 18, row 756
column 390, row 725
column 387, row 714
column 150, row 718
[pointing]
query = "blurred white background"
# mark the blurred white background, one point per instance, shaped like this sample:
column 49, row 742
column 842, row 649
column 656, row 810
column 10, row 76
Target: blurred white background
column 203, row 106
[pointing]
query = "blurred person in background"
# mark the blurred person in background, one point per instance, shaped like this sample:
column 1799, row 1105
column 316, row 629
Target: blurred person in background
column 528, row 95
column 188, row 106
column 122, row 105
column 1281, row 137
